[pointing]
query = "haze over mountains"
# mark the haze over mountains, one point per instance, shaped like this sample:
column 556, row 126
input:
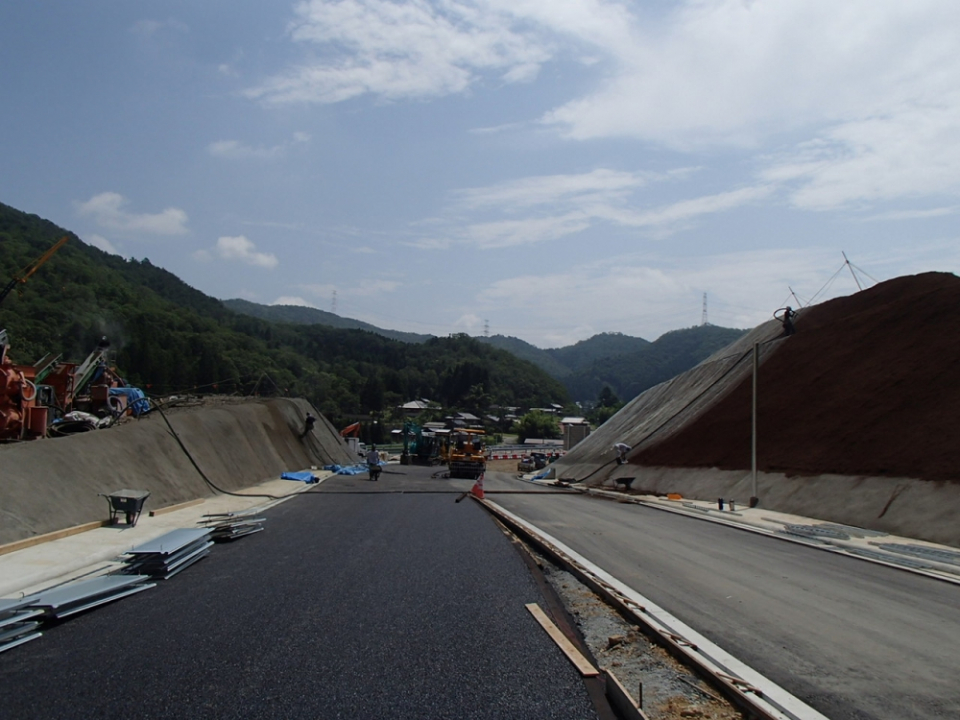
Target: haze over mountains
column 629, row 365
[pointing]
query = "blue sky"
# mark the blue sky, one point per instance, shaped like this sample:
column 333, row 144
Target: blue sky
column 549, row 169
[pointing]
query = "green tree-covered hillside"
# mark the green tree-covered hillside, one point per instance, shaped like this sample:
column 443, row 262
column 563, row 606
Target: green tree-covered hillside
column 168, row 337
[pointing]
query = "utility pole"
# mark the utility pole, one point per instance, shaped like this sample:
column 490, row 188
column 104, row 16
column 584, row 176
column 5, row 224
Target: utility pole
column 333, row 303
column 486, row 328
column 703, row 317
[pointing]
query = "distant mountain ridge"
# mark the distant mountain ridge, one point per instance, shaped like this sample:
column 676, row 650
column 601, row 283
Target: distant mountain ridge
column 629, row 365
column 302, row 315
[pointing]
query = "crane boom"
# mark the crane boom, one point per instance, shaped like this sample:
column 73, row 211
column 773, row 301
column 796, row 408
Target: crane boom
column 31, row 268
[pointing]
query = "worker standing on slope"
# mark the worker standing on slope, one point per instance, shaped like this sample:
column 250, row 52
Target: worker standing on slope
column 622, row 449
column 786, row 319
column 308, row 425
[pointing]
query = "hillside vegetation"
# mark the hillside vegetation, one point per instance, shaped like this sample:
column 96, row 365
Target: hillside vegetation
column 625, row 364
column 167, row 337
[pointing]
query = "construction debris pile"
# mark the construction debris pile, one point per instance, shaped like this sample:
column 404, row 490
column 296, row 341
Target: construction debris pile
column 866, row 387
column 226, row 527
column 53, row 397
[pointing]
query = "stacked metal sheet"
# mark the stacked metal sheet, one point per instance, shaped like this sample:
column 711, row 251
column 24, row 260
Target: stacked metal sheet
column 225, row 527
column 18, row 622
column 71, row 598
column 165, row 556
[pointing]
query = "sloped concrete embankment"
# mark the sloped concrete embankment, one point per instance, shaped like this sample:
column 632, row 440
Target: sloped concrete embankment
column 664, row 409
column 52, row 484
column 907, row 507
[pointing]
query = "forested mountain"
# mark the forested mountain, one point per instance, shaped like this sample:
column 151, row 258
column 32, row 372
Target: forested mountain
column 630, row 374
column 301, row 315
column 522, row 349
column 628, row 365
column 598, row 347
column 168, row 337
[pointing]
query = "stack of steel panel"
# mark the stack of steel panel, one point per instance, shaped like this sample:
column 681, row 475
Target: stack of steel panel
column 17, row 622
column 230, row 526
column 168, row 554
column 71, row 598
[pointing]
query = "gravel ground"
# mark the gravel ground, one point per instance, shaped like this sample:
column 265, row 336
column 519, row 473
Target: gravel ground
column 670, row 690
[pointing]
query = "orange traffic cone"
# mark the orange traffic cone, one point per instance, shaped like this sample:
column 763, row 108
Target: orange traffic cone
column 477, row 489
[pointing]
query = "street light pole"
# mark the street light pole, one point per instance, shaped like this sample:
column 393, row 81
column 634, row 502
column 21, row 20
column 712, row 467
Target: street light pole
column 754, row 499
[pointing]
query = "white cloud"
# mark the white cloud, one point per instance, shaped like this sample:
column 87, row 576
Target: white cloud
column 242, row 249
column 862, row 98
column 914, row 153
column 648, row 296
column 468, row 322
column 367, row 288
column 398, row 50
column 731, row 70
column 109, row 211
column 293, row 300
column 507, row 233
column 602, row 184
column 915, row 214
column 236, row 150
column 98, row 241
column 684, row 210
column 871, row 87
column 546, row 208
column 429, row 243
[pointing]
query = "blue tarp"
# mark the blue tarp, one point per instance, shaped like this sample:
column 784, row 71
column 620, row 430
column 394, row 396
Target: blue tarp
column 304, row 476
column 136, row 400
column 348, row 470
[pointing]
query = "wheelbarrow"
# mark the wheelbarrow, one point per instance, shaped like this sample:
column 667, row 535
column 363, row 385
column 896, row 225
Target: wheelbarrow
column 129, row 502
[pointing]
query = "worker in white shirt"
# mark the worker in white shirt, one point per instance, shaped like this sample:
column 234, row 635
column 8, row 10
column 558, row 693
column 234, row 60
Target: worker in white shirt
column 622, row 449
column 373, row 463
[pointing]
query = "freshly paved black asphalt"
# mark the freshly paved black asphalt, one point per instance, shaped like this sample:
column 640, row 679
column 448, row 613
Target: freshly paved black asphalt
column 381, row 605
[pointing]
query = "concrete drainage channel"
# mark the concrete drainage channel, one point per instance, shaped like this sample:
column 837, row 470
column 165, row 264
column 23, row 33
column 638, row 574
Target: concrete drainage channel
column 746, row 689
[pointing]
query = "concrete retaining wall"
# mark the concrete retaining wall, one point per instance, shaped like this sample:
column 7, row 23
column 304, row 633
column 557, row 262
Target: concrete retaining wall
column 920, row 509
column 47, row 485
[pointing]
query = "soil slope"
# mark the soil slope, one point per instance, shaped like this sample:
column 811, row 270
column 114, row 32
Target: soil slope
column 868, row 386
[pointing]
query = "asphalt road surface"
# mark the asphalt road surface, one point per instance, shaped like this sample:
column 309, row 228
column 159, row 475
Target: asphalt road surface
column 853, row 639
column 351, row 604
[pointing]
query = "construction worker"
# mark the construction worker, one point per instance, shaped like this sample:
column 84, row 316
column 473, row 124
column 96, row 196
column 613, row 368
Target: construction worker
column 787, row 319
column 622, row 449
column 308, row 425
column 373, row 463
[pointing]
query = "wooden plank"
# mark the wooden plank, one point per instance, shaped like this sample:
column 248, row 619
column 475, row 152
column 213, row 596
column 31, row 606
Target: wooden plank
column 47, row 537
column 574, row 655
column 179, row 506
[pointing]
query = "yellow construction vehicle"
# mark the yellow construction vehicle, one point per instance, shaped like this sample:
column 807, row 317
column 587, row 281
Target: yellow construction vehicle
column 466, row 455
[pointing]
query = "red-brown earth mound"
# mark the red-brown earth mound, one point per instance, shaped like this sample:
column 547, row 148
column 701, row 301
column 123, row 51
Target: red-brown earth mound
column 869, row 385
